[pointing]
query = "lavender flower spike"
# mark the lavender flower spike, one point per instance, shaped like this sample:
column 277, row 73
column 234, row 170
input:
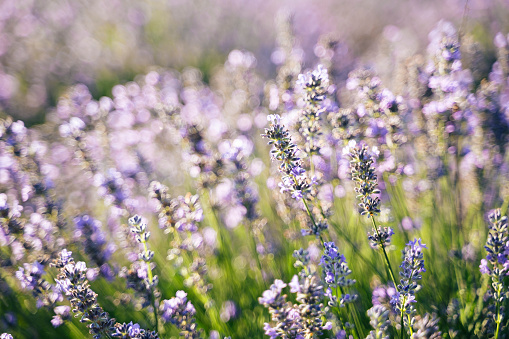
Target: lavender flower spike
column 314, row 85
column 294, row 177
column 180, row 312
column 73, row 283
column 496, row 265
column 411, row 272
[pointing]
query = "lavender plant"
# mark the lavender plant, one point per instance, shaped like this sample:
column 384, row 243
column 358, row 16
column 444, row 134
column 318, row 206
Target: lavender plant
column 379, row 320
column 363, row 174
column 294, row 179
column 302, row 320
column 180, row 312
column 496, row 267
column 335, row 273
column 314, row 85
column 73, row 283
column 412, row 268
column 139, row 228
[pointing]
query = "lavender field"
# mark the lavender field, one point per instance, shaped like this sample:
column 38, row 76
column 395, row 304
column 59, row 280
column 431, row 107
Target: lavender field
column 262, row 169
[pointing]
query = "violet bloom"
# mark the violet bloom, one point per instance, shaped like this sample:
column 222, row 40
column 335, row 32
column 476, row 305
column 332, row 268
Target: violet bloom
column 29, row 275
column 335, row 272
column 180, row 312
column 411, row 272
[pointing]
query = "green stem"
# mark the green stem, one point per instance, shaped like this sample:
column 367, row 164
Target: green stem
column 312, row 219
column 149, row 269
column 387, row 262
column 498, row 320
column 410, row 326
column 354, row 315
column 402, row 335
column 357, row 250
column 150, row 280
column 255, row 251
column 350, row 241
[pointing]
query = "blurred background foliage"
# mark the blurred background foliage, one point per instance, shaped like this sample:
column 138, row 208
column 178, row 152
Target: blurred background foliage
column 45, row 46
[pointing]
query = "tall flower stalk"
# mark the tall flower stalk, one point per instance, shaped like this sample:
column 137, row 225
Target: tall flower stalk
column 73, row 283
column 314, row 85
column 335, row 274
column 411, row 269
column 139, row 227
column 295, row 179
column 363, row 174
column 496, row 264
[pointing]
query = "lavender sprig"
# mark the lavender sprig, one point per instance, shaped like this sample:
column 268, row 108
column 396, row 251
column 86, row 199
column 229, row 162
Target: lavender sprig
column 335, row 272
column 363, row 174
column 496, row 264
column 180, row 312
column 294, row 179
column 132, row 331
column 89, row 232
column 73, row 283
column 411, row 269
column 379, row 320
column 302, row 320
column 139, row 227
column 180, row 217
column 31, row 279
column 314, row 85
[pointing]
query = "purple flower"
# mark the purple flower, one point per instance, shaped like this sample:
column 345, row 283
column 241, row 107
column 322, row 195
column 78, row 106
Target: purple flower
column 294, row 284
column 297, row 170
column 56, row 321
column 180, row 312
column 271, row 332
column 29, row 275
column 484, row 267
column 64, row 311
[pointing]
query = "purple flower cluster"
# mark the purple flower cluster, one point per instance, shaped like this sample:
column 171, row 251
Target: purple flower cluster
column 136, row 277
column 496, row 265
column 300, row 320
column 29, row 275
column 30, row 278
column 180, row 217
column 132, row 331
column 363, row 174
column 204, row 165
column 381, row 237
column 294, row 178
column 384, row 110
column 11, row 228
column 335, row 273
column 73, row 283
column 412, row 268
column 314, row 85
column 245, row 193
column 379, row 320
column 61, row 313
column 180, row 312
column 497, row 246
column 182, row 214
column 140, row 276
